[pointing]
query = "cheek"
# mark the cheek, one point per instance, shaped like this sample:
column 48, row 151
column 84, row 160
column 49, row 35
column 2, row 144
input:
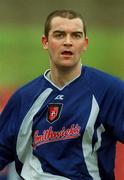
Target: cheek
column 53, row 46
column 80, row 49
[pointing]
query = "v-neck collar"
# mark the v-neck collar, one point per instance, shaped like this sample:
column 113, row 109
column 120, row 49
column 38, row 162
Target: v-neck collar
column 46, row 76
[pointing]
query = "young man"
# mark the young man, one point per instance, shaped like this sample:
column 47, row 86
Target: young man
column 64, row 124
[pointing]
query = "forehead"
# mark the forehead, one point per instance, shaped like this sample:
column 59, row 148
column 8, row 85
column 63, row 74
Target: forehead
column 65, row 24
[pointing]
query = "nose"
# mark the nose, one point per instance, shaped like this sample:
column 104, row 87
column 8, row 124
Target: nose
column 67, row 41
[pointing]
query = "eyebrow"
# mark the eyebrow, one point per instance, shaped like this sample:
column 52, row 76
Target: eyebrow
column 60, row 31
column 78, row 32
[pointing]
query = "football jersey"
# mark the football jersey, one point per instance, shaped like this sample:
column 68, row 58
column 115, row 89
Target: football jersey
column 64, row 133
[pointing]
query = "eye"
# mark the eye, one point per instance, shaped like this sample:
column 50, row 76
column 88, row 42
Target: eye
column 77, row 35
column 59, row 35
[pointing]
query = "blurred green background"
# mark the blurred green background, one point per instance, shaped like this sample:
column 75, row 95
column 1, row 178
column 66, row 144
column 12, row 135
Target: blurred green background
column 21, row 26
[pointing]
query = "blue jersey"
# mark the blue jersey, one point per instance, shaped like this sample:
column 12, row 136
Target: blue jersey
column 64, row 133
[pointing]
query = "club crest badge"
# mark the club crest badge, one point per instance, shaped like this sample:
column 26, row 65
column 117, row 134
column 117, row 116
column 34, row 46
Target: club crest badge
column 54, row 111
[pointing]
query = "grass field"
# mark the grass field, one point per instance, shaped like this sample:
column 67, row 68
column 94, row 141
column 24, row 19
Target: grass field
column 22, row 57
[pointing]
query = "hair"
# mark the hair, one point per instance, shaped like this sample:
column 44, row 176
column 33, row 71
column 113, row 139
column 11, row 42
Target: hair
column 64, row 13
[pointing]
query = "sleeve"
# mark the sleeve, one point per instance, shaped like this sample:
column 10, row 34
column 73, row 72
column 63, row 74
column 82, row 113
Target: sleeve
column 8, row 130
column 114, row 110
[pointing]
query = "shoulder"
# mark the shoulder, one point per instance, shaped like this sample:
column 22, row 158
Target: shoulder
column 101, row 83
column 21, row 101
column 24, row 96
column 30, row 89
column 93, row 74
column 31, row 86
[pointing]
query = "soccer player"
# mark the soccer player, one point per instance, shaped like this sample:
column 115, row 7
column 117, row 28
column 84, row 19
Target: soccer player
column 65, row 123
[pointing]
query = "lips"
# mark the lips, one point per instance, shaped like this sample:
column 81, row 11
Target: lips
column 67, row 53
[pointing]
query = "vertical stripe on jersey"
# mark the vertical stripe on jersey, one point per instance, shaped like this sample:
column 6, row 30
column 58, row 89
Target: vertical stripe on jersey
column 100, row 130
column 90, row 156
column 32, row 168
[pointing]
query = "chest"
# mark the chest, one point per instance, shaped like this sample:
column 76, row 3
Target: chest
column 66, row 117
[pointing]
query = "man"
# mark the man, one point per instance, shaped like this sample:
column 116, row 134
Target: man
column 64, row 124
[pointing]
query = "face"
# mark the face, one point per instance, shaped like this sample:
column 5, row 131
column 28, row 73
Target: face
column 65, row 42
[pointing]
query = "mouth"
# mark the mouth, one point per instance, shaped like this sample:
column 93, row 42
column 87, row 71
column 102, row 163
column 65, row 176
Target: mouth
column 67, row 53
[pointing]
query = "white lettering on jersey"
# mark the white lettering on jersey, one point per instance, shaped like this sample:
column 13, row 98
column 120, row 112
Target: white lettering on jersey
column 60, row 97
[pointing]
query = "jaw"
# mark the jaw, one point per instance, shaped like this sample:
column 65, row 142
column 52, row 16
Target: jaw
column 66, row 64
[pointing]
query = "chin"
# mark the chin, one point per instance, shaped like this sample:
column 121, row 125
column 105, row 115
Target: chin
column 66, row 65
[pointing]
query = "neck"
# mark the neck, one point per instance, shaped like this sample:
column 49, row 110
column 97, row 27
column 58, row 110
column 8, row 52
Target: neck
column 64, row 76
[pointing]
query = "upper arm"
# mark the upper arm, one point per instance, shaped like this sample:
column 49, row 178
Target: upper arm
column 113, row 111
column 8, row 127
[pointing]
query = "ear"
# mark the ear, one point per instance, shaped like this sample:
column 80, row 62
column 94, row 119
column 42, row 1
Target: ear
column 85, row 44
column 44, row 42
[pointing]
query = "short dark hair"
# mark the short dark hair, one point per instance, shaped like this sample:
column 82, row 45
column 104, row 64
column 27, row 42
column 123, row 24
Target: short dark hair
column 64, row 13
